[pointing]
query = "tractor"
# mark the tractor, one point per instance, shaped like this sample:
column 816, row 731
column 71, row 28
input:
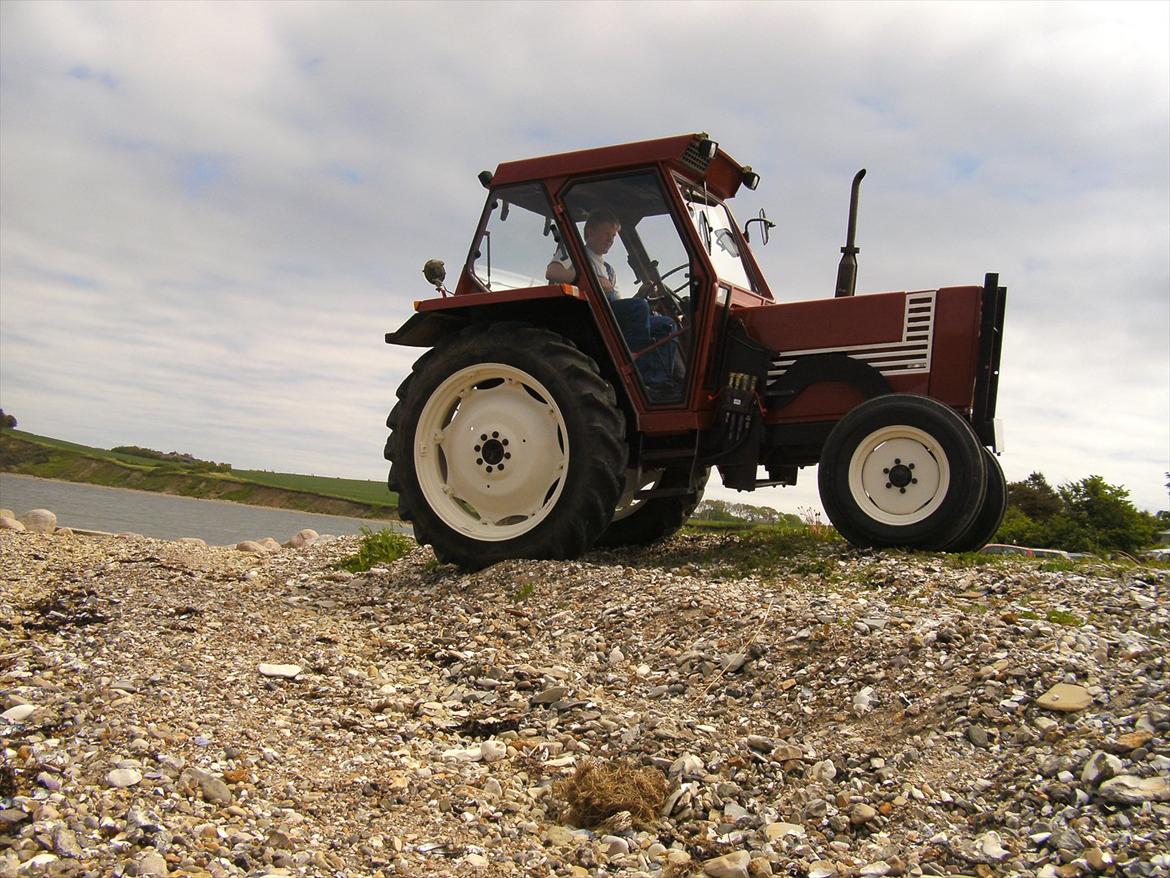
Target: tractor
column 610, row 338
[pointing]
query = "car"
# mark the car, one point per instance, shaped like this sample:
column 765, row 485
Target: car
column 1025, row 551
column 1162, row 554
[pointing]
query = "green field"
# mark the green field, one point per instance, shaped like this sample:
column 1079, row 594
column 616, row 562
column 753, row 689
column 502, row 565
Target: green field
column 357, row 490
column 47, row 457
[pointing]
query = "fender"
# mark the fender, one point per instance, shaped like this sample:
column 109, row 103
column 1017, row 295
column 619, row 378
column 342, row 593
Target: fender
column 434, row 319
column 816, row 368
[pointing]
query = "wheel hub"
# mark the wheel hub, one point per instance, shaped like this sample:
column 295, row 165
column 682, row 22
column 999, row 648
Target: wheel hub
column 900, row 475
column 492, row 451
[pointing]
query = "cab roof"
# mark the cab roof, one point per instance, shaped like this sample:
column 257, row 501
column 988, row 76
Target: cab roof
column 694, row 156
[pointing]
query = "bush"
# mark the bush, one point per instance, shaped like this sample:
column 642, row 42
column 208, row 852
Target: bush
column 383, row 547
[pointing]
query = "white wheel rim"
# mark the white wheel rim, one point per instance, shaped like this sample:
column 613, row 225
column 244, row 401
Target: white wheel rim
column 899, row 475
column 491, row 451
column 636, row 480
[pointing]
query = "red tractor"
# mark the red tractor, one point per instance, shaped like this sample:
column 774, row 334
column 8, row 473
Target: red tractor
column 611, row 338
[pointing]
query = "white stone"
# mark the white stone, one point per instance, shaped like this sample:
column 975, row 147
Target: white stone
column 991, row 846
column 1130, row 790
column 124, row 777
column 8, row 522
column 19, row 713
column 733, row 865
column 39, row 521
column 305, row 537
column 492, row 750
column 287, row 672
column 1100, row 767
column 615, row 846
column 824, row 771
column 688, row 766
column 775, row 831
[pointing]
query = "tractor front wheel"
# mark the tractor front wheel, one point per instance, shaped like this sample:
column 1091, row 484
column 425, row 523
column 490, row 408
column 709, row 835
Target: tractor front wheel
column 506, row 443
column 902, row 470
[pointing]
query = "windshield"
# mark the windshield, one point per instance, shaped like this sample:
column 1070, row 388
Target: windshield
column 717, row 232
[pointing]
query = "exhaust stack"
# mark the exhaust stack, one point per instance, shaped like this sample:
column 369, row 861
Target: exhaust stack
column 847, row 269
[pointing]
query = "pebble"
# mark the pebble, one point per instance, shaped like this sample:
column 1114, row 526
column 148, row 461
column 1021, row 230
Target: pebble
column 124, row 777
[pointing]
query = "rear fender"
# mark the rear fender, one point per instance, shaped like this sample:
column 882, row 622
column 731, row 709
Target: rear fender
column 551, row 307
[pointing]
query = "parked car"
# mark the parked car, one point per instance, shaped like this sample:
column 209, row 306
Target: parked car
column 1005, row 549
column 1162, row 554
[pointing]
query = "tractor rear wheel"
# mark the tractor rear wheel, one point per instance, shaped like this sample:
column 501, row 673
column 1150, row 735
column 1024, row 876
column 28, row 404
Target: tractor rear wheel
column 902, row 470
column 506, row 443
column 990, row 516
column 642, row 522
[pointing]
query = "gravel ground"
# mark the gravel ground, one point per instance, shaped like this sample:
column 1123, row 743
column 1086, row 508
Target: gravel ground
column 175, row 709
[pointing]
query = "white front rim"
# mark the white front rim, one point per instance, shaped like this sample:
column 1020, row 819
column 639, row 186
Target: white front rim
column 491, row 451
column 899, row 475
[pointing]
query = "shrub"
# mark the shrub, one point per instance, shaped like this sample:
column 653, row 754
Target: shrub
column 382, row 547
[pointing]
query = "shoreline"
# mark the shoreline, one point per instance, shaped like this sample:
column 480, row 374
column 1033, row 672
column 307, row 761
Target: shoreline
column 13, row 475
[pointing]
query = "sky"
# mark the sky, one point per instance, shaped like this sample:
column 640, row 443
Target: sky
column 211, row 213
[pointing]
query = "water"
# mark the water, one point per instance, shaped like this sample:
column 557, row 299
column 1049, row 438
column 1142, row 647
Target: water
column 220, row 523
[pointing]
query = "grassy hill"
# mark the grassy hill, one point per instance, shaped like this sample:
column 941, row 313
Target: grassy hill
column 43, row 456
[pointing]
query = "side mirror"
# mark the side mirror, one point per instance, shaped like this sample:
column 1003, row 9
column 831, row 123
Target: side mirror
column 765, row 225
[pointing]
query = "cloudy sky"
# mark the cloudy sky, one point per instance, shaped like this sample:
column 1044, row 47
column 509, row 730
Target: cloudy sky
column 210, row 213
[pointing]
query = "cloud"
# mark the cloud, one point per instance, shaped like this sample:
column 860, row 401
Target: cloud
column 210, row 213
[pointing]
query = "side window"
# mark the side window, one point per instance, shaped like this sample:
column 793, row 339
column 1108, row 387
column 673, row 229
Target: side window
column 517, row 239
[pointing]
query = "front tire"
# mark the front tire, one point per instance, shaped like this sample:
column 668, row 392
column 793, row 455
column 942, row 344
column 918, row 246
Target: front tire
column 506, row 443
column 902, row 471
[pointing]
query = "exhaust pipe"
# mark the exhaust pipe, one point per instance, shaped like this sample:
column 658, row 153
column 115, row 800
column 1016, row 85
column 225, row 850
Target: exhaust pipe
column 847, row 269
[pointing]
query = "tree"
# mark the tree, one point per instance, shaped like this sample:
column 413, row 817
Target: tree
column 7, row 422
column 1086, row 516
column 1034, row 497
column 1103, row 514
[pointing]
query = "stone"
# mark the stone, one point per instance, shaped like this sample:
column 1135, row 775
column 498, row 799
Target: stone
column 7, row 522
column 269, row 544
column 614, row 846
column 550, row 695
column 19, row 713
column 304, row 537
column 824, row 771
column 822, row 869
column 733, row 865
column 776, row 831
column 687, row 766
column 192, row 541
column 124, row 777
column 153, row 864
column 286, row 672
column 861, row 814
column 1100, row 767
column 252, row 547
column 1065, row 698
column 492, row 750
column 39, row 521
column 760, row 867
column 1129, row 790
column 990, row 845
column 559, row 836
column 212, row 789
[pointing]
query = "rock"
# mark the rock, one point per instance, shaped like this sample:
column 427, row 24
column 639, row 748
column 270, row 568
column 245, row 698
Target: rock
column 822, row 869
column 153, row 864
column 124, row 777
column 614, row 846
column 733, row 865
column 287, row 672
column 687, row 766
column 492, row 750
column 269, row 544
column 39, row 521
column 305, row 537
column 824, row 771
column 775, row 831
column 252, row 547
column 7, row 513
column 211, row 788
column 7, row 522
column 760, row 867
column 192, row 541
column 549, row 696
column 1100, row 767
column 19, row 713
column 977, row 735
column 864, row 701
column 990, row 846
column 1129, row 790
column 1130, row 741
column 1066, row 698
column 861, row 814
column 65, row 844
column 559, row 836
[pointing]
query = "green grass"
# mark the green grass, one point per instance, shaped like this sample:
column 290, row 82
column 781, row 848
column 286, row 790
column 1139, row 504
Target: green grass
column 61, row 462
column 357, row 490
column 381, row 547
column 781, row 548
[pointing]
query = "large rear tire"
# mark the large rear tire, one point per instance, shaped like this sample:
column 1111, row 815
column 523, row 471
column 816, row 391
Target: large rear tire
column 902, row 471
column 506, row 443
column 990, row 516
column 642, row 522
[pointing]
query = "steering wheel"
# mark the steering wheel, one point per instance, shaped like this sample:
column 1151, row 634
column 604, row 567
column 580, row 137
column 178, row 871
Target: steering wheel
column 659, row 292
